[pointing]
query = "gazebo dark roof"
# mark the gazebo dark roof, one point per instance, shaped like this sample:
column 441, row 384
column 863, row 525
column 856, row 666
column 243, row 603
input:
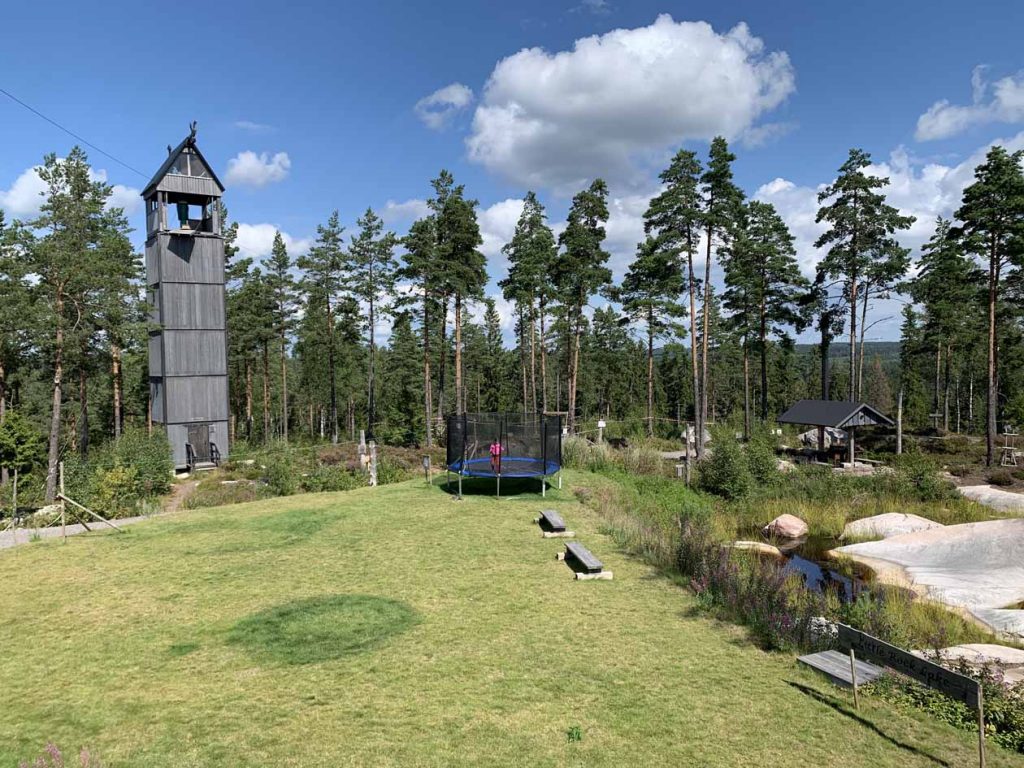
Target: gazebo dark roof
column 834, row 413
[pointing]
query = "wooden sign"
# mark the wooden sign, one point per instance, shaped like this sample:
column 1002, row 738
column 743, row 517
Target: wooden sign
column 953, row 684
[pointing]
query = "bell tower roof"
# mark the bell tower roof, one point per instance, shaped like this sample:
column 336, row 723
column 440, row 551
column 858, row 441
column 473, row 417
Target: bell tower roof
column 185, row 171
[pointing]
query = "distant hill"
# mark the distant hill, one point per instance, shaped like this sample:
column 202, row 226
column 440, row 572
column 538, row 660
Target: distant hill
column 886, row 350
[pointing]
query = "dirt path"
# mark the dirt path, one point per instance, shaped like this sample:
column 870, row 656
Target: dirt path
column 14, row 537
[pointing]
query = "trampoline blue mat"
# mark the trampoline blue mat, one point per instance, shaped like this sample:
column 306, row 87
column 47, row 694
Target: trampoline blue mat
column 511, row 466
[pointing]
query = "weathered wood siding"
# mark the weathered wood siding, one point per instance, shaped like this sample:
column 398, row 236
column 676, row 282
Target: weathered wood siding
column 197, row 306
column 196, row 398
column 177, row 434
column 194, row 353
column 195, row 259
column 189, row 185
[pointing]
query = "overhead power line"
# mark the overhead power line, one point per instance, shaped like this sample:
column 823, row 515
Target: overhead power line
column 71, row 133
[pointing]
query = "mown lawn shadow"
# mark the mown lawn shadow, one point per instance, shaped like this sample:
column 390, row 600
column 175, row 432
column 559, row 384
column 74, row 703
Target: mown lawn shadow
column 842, row 709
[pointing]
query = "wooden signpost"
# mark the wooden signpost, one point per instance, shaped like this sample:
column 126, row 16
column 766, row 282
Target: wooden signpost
column 953, row 684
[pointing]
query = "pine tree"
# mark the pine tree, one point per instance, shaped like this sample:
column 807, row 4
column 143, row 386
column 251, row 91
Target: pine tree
column 461, row 267
column 763, row 289
column 16, row 317
column 859, row 238
column 531, row 252
column 722, row 200
column 371, row 278
column 324, row 268
column 648, row 294
column 674, row 218
column 68, row 260
column 418, row 268
column 283, row 295
column 580, row 273
column 401, row 385
column 992, row 229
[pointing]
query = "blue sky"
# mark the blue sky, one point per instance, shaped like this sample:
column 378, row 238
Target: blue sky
column 306, row 109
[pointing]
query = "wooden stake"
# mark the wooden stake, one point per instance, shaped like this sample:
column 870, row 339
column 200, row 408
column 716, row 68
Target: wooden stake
column 64, row 498
column 63, row 507
column 981, row 728
column 899, row 423
column 853, row 676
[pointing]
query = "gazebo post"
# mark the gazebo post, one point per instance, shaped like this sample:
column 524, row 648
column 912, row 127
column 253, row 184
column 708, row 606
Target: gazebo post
column 853, row 441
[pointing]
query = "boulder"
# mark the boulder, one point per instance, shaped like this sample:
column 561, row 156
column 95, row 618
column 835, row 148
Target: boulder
column 757, row 547
column 889, row 524
column 786, row 527
column 822, row 631
column 785, row 466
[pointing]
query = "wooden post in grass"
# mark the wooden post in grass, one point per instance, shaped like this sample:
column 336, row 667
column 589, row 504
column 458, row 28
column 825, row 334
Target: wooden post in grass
column 853, row 677
column 981, row 728
column 373, row 463
column 63, row 506
column 899, row 423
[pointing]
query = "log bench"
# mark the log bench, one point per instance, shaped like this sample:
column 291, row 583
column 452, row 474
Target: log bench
column 552, row 525
column 583, row 562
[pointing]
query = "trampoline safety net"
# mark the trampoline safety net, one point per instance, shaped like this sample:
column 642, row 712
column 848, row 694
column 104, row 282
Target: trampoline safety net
column 531, row 444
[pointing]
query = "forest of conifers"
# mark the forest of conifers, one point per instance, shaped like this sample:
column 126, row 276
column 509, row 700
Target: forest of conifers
column 700, row 328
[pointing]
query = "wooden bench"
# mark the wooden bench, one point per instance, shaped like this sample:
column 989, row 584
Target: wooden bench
column 583, row 562
column 552, row 525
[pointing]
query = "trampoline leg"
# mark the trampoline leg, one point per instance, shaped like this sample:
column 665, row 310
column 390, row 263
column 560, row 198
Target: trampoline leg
column 543, row 486
column 559, row 480
column 499, row 486
column 460, row 486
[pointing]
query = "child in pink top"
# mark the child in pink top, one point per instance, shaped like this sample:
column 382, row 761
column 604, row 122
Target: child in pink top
column 496, row 457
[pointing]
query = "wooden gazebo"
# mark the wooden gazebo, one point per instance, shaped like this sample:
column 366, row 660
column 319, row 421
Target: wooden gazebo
column 839, row 414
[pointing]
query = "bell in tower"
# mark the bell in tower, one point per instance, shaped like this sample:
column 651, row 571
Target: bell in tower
column 188, row 383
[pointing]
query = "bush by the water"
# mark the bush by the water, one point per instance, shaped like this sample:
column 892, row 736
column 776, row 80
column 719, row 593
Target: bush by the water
column 726, row 472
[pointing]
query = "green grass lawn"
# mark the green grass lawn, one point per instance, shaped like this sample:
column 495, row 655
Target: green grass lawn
column 399, row 627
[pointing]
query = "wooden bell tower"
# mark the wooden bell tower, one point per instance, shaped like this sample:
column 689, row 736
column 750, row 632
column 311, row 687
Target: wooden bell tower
column 188, row 382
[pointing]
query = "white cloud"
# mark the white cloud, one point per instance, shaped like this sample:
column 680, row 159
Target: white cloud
column 558, row 119
column 406, row 211
column 497, row 225
column 25, row 196
column 255, row 241
column 1006, row 105
column 251, row 170
column 249, row 125
column 439, row 108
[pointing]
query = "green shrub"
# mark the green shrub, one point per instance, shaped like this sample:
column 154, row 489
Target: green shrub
column 726, row 471
column 917, row 477
column 328, row 478
column 280, row 474
column 764, row 466
column 1000, row 477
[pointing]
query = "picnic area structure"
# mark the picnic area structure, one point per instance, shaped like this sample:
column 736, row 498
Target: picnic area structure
column 837, row 414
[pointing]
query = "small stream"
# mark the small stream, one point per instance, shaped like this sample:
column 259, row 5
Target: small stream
column 808, row 558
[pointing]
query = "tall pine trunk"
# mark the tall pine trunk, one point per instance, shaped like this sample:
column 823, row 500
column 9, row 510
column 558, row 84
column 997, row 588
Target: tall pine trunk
column 371, row 403
column 698, row 421
column 443, row 361
column 522, row 356
column 116, row 386
column 284, row 386
column 746, row 387
column 705, row 333
column 762, row 340
column 533, row 356
column 428, row 405
column 53, row 455
column 650, row 371
column 866, row 291
column 248, row 400
column 543, row 360
column 460, row 398
column 333, row 373
column 3, row 414
column 993, row 390
column 266, row 392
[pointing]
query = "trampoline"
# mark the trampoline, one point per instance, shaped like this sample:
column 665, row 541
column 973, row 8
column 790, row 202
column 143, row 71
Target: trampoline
column 530, row 446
